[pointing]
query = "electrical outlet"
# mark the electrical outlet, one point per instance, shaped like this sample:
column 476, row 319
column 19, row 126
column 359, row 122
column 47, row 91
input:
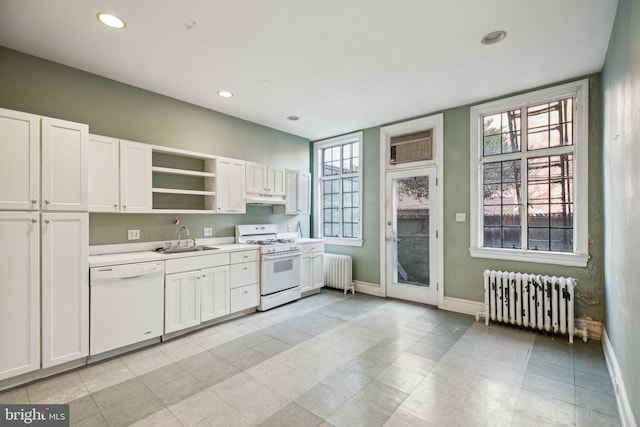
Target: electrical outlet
column 134, row 234
column 208, row 231
column 289, row 227
column 461, row 217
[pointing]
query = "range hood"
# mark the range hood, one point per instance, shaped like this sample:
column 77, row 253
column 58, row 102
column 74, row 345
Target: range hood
column 264, row 201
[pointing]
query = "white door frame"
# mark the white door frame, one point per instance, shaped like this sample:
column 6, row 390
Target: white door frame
column 436, row 123
column 422, row 294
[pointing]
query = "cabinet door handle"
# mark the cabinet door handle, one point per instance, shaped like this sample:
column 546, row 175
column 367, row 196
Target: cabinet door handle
column 245, row 292
column 46, row 221
column 46, row 202
column 124, row 206
column 34, row 201
column 115, row 205
column 245, row 269
column 33, row 221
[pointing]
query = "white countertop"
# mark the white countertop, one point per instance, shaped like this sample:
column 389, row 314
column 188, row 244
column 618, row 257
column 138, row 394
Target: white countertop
column 308, row 240
column 103, row 260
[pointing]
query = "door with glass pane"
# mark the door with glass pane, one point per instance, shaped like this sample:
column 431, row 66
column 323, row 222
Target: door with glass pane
column 410, row 235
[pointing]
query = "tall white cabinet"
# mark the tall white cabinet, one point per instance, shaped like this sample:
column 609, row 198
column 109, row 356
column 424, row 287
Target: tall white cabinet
column 19, row 293
column 43, row 214
column 65, row 287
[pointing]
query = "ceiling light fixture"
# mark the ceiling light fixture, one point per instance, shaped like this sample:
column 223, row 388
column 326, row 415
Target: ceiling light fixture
column 111, row 20
column 225, row 93
column 293, row 118
column 493, row 37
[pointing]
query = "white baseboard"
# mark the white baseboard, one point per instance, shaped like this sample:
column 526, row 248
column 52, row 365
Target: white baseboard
column 369, row 288
column 463, row 306
column 622, row 398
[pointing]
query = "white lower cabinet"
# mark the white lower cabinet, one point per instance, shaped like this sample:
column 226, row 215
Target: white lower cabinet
column 65, row 287
column 312, row 266
column 196, row 289
column 244, row 280
column 214, row 293
column 181, row 301
column 19, row 293
column 244, row 297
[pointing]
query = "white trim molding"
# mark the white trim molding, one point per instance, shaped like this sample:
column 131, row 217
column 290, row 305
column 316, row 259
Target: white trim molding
column 369, row 288
column 622, row 398
column 435, row 122
column 319, row 178
column 580, row 149
column 463, row 306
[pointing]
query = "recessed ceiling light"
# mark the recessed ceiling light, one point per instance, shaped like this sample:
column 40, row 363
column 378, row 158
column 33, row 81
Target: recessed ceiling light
column 493, row 37
column 225, row 93
column 293, row 118
column 111, row 20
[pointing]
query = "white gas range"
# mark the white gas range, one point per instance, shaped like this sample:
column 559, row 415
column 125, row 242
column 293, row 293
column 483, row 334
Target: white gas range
column 280, row 264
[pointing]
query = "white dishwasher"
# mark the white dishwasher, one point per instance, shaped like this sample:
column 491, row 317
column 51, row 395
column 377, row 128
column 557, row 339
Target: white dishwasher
column 127, row 305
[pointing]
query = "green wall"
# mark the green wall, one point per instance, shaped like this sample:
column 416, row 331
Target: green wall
column 462, row 273
column 114, row 109
column 621, row 157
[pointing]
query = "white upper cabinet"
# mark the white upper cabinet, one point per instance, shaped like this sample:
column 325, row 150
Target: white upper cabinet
column 135, row 177
column 256, row 174
column 19, row 160
column 64, row 165
column 104, row 174
column 304, row 194
column 297, row 193
column 275, row 181
column 264, row 180
column 230, row 186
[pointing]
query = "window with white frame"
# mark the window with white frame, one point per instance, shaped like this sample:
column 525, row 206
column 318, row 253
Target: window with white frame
column 338, row 193
column 529, row 158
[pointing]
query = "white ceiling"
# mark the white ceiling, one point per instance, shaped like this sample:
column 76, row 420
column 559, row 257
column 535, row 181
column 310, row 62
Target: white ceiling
column 339, row 65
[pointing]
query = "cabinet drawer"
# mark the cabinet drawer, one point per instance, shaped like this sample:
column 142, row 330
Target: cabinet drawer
column 244, row 256
column 244, row 297
column 312, row 247
column 244, row 274
column 195, row 263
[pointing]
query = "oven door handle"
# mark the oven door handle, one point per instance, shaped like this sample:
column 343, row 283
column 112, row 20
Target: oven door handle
column 269, row 257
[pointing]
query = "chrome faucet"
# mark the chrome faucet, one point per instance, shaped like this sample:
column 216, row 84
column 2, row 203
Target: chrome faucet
column 186, row 230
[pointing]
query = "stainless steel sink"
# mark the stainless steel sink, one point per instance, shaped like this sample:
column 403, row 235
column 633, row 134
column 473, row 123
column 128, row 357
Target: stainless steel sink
column 182, row 249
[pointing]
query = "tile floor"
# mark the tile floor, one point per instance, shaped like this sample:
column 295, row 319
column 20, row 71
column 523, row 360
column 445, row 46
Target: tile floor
column 343, row 361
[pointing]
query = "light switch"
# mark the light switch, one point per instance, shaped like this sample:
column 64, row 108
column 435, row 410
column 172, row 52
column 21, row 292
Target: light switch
column 461, row 217
column 134, row 234
column 208, row 231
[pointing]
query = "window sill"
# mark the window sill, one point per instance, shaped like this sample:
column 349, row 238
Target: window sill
column 555, row 258
column 342, row 242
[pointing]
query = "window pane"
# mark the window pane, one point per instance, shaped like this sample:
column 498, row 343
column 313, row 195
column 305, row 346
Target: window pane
column 340, row 196
column 539, row 239
column 350, row 162
column 502, row 204
column 562, row 239
column 501, row 133
column 550, row 191
column 550, row 124
column 511, row 238
column 492, row 237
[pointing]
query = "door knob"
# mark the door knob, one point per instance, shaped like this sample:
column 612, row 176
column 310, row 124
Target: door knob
column 388, row 222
